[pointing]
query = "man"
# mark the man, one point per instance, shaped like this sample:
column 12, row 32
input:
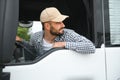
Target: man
column 54, row 35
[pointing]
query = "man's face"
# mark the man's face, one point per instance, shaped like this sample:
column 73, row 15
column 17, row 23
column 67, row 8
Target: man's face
column 56, row 28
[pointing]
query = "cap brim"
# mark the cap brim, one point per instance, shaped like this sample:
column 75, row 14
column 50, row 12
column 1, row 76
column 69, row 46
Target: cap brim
column 60, row 18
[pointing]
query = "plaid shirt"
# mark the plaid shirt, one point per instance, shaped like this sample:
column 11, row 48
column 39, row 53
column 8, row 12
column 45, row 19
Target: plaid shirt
column 73, row 41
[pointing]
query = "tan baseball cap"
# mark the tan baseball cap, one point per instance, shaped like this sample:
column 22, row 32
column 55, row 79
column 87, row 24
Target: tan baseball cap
column 52, row 14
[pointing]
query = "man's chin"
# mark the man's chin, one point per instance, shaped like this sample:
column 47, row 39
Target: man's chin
column 57, row 34
column 61, row 31
column 60, row 34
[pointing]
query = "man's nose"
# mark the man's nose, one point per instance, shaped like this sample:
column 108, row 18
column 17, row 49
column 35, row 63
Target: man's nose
column 62, row 24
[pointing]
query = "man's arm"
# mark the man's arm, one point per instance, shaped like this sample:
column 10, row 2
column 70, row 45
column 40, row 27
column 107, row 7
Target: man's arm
column 76, row 42
column 59, row 44
column 26, row 44
column 79, row 43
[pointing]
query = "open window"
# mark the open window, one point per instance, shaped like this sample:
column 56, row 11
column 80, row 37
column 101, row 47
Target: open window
column 85, row 16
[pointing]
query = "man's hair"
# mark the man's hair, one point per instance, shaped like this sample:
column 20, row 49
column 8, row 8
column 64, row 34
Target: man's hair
column 42, row 25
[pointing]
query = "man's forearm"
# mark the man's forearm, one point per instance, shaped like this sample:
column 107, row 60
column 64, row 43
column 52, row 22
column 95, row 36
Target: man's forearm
column 80, row 47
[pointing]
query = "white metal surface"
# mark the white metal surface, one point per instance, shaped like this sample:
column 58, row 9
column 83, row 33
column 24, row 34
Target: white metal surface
column 113, row 63
column 62, row 65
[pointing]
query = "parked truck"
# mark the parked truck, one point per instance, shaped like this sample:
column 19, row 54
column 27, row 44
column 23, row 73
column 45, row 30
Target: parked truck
column 97, row 20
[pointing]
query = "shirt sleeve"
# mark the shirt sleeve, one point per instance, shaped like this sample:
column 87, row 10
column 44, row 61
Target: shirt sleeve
column 78, row 43
column 29, row 45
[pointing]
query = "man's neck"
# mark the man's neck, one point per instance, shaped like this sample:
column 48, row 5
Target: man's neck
column 49, row 37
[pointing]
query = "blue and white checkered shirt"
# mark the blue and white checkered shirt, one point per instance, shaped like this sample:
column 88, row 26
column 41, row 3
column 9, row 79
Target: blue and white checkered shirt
column 73, row 40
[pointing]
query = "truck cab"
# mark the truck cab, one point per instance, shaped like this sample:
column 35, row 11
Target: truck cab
column 97, row 20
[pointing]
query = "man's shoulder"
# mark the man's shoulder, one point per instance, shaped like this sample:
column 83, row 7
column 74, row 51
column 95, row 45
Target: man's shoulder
column 68, row 30
column 37, row 34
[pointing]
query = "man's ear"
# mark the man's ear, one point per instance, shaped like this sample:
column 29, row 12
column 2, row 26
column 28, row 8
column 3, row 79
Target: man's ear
column 47, row 26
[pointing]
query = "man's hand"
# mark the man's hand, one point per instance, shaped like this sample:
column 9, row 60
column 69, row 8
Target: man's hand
column 59, row 44
column 18, row 39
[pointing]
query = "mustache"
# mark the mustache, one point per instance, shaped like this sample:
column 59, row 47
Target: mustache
column 61, row 28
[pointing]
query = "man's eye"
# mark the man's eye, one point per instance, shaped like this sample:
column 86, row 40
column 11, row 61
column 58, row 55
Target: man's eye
column 58, row 22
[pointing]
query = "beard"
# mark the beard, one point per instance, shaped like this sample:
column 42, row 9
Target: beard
column 56, row 33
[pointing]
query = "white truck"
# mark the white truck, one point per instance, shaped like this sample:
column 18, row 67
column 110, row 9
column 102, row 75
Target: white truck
column 98, row 20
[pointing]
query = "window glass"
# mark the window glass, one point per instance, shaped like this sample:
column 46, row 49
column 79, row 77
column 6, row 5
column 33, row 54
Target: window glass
column 114, row 16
